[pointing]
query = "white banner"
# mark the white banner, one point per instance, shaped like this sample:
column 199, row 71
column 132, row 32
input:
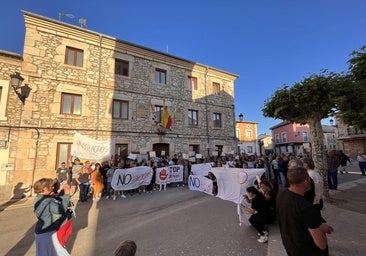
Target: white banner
column 233, row 182
column 126, row 179
column 200, row 183
column 201, row 169
column 174, row 174
column 89, row 149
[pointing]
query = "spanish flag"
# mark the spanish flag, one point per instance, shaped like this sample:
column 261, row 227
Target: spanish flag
column 166, row 118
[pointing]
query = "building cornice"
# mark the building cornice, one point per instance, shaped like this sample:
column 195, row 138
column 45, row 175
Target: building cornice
column 97, row 39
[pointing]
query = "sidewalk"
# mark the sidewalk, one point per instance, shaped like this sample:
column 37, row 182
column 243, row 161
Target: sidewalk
column 346, row 214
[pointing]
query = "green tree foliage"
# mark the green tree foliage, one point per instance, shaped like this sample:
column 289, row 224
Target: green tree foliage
column 308, row 102
column 352, row 105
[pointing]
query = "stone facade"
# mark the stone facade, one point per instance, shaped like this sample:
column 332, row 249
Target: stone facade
column 34, row 131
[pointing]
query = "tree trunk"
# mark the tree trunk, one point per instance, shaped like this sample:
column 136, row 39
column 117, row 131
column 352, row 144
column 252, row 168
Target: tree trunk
column 318, row 152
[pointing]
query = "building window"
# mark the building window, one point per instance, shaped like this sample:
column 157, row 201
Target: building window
column 217, row 120
column 74, row 57
column 305, row 136
column 248, row 133
column 277, row 138
column 249, row 149
column 284, row 137
column 121, row 151
column 160, row 76
column 192, row 117
column 71, row 104
column 63, row 153
column 219, row 149
column 193, row 83
column 121, row 67
column 120, row 109
column 238, row 134
column 158, row 111
column 216, row 88
column 195, row 148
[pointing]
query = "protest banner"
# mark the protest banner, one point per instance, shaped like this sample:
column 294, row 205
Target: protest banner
column 201, row 169
column 233, row 182
column 89, row 149
column 131, row 178
column 174, row 172
column 200, row 183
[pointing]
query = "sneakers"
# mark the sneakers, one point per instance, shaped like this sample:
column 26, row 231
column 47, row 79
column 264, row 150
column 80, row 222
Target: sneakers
column 107, row 197
column 114, row 197
column 123, row 196
column 265, row 233
column 263, row 239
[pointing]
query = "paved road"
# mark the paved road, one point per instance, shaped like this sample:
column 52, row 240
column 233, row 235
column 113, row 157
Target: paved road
column 182, row 222
column 173, row 222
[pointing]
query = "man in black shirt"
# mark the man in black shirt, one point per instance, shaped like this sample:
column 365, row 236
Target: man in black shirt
column 302, row 227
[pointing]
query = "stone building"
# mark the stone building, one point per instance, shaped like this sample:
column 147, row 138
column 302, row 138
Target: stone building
column 104, row 88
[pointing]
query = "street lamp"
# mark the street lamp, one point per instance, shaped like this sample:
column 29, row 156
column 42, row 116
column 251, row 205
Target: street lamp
column 241, row 116
column 22, row 91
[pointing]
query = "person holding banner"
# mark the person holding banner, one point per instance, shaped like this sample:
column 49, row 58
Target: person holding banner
column 163, row 176
column 260, row 212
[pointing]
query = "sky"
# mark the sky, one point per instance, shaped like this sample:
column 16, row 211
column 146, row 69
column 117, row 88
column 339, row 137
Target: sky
column 267, row 43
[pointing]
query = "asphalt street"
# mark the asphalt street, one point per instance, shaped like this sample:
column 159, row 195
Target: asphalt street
column 183, row 222
column 166, row 223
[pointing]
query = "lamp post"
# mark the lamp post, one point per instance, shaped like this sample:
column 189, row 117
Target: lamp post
column 16, row 81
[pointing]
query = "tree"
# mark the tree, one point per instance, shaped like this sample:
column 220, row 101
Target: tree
column 308, row 102
column 352, row 106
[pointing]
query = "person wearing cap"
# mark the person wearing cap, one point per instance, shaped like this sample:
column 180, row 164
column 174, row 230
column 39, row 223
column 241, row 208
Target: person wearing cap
column 62, row 173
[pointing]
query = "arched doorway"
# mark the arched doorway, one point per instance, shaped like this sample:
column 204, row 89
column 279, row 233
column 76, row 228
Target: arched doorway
column 160, row 147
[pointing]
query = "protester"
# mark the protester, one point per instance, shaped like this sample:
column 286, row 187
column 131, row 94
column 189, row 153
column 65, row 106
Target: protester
column 269, row 196
column 302, row 227
column 83, row 182
column 333, row 163
column 126, row 248
column 315, row 194
column 212, row 177
column 96, row 180
column 109, row 174
column 51, row 213
column 62, row 173
column 260, row 213
column 361, row 158
column 343, row 159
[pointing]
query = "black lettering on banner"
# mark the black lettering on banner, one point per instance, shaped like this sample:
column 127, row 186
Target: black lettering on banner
column 124, row 179
column 194, row 181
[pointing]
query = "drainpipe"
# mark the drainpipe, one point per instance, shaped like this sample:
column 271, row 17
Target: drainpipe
column 35, row 160
column 206, row 106
column 99, row 84
column 235, row 139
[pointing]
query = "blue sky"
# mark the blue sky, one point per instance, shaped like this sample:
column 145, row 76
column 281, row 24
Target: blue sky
column 268, row 43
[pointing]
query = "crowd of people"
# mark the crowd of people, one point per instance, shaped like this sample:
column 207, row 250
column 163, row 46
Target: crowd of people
column 286, row 177
column 94, row 179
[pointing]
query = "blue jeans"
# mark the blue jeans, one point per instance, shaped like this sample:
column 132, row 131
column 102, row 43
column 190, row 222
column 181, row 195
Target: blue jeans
column 333, row 180
column 108, row 189
column 362, row 167
column 84, row 189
